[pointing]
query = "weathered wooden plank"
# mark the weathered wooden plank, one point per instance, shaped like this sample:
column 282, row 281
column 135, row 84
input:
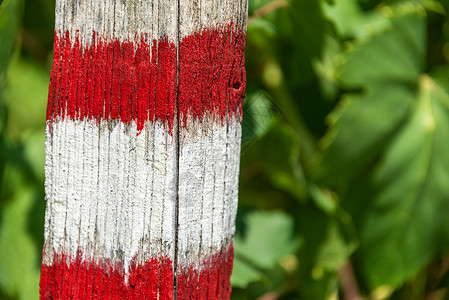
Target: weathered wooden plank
column 210, row 108
column 142, row 149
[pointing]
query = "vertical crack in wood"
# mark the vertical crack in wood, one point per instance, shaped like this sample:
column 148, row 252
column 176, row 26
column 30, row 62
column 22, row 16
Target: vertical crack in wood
column 175, row 258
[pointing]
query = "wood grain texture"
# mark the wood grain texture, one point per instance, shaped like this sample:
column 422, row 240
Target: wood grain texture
column 209, row 143
column 142, row 149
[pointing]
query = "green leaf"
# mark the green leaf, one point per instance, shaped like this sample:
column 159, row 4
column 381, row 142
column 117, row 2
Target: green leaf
column 32, row 98
column 366, row 122
column 301, row 28
column 309, row 24
column 256, row 4
column 345, row 14
column 266, row 169
column 261, row 25
column 268, row 238
column 19, row 270
column 396, row 55
column 34, row 152
column 388, row 144
column 243, row 274
column 9, row 23
column 408, row 211
column 387, row 67
column 258, row 114
column 326, row 68
column 351, row 22
column 323, row 199
column 336, row 249
column 38, row 23
column 315, row 282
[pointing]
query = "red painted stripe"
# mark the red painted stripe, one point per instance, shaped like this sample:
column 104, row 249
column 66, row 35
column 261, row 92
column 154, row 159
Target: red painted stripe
column 75, row 278
column 213, row 282
column 212, row 76
column 136, row 81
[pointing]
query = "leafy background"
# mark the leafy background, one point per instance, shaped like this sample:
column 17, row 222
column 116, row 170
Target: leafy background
column 344, row 181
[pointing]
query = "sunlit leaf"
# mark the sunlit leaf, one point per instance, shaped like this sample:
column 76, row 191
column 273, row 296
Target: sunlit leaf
column 326, row 68
column 408, row 211
column 349, row 147
column 243, row 274
column 345, row 14
column 387, row 68
column 26, row 92
column 268, row 238
column 396, row 55
column 388, row 143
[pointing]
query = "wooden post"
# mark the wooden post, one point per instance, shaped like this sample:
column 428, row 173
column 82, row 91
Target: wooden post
column 142, row 149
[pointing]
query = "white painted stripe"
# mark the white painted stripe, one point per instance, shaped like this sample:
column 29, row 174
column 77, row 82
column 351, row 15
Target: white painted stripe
column 60, row 162
column 101, row 193
column 236, row 131
column 103, row 189
column 127, row 21
column 114, row 190
column 221, row 159
column 209, row 185
column 89, row 159
column 170, row 192
column 162, row 216
column 149, row 195
column 209, row 157
column 74, row 185
column 138, row 200
column 159, row 168
column 117, row 19
column 49, row 170
column 110, row 177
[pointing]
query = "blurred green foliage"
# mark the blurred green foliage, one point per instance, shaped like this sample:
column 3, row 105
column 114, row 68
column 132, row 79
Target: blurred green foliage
column 344, row 181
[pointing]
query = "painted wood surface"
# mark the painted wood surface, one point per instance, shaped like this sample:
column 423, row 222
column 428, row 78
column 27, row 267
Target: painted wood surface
column 142, row 149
